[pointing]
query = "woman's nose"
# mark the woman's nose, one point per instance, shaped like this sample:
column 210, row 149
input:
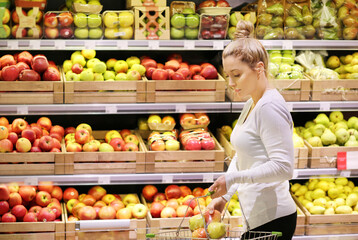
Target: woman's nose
column 231, row 82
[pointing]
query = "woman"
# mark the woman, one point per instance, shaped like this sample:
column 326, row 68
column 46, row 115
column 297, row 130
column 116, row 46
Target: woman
column 262, row 139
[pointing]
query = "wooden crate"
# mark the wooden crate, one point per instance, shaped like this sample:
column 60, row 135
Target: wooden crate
column 106, row 229
column 156, row 225
column 34, row 230
column 31, row 92
column 332, row 90
column 96, row 92
column 301, row 223
column 183, row 160
column 139, row 3
column 144, row 30
column 105, row 162
column 325, row 157
column 329, row 224
column 186, row 90
column 32, row 163
column 226, row 144
column 301, row 157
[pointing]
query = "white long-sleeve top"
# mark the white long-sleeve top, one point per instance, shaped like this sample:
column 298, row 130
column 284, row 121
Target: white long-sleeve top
column 264, row 160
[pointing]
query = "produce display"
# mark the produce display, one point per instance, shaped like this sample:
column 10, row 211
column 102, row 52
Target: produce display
column 163, row 141
column 118, row 24
column 28, row 30
column 58, row 25
column 24, row 203
column 88, row 26
column 332, row 130
column 347, row 15
column 25, row 67
column 214, row 26
column 5, row 28
column 327, row 195
column 235, row 17
column 98, row 204
column 155, row 122
column 215, row 229
column 282, row 65
column 325, row 19
column 234, row 207
column 345, row 66
column 213, row 3
column 22, row 137
column 176, row 69
column 197, row 139
column 185, row 25
column 84, row 66
column 298, row 21
column 270, row 20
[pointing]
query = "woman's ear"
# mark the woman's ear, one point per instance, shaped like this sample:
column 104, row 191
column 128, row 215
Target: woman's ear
column 260, row 66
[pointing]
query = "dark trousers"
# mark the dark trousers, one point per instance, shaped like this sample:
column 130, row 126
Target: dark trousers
column 286, row 225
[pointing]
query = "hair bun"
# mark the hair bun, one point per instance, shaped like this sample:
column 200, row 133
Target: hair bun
column 244, row 29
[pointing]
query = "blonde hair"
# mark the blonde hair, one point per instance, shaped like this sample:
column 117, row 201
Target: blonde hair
column 245, row 47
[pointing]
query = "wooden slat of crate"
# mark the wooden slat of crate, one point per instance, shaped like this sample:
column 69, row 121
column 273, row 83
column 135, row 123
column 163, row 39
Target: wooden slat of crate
column 185, row 90
column 139, row 3
column 329, row 90
column 329, row 224
column 34, row 230
column 226, row 144
column 185, row 161
column 301, row 157
column 325, row 157
column 105, row 162
column 80, row 92
column 300, row 224
column 44, row 163
column 137, row 230
column 34, row 92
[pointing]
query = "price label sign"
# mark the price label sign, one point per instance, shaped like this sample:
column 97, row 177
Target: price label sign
column 104, row 180
column 22, row 110
column 180, row 108
column 325, row 106
column 33, row 181
column 90, row 44
column 218, row 45
column 122, row 44
column 347, row 160
column 153, row 44
column 287, row 45
column 189, row 44
column 167, row 179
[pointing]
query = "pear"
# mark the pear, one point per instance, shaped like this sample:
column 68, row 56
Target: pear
column 307, row 15
column 277, row 21
column 322, row 119
column 333, row 62
column 353, row 132
column 308, row 196
column 322, row 185
column 297, row 141
column 344, row 210
column 320, row 202
column 351, row 185
column 329, row 211
column 296, row 12
column 318, row 130
column 276, row 33
column 275, row 9
column 312, row 185
column 262, row 30
column 342, row 136
column 309, row 31
column 328, row 137
column 317, row 210
column 352, row 121
column 295, row 187
column 265, row 19
column 338, row 126
column 301, row 191
column 330, row 204
column 333, row 193
column 318, row 193
column 352, row 142
column 341, row 181
column 315, row 141
column 308, row 205
column 340, row 202
column 310, row 123
column 291, row 22
column 306, row 134
column 352, row 199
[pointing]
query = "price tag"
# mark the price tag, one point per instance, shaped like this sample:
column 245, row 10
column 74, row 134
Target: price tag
column 22, row 110
column 167, row 179
column 208, row 177
column 60, row 45
column 90, row 44
column 180, row 108
column 287, row 45
column 290, row 106
column 123, row 44
column 189, row 44
column 13, row 44
column 345, row 173
column 33, row 181
column 347, row 160
column 325, row 106
column 35, row 44
column 218, row 45
column 104, row 180
column 111, row 109
column 152, row 44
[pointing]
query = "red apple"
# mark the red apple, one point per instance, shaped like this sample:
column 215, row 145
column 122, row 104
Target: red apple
column 46, row 143
column 82, row 136
column 149, row 72
column 22, row 66
column 13, row 139
column 29, row 75
column 198, row 77
column 222, row 3
column 66, row 33
column 77, row 68
column 30, row 217
column 73, row 147
column 89, row 200
column 27, row 193
column 172, row 191
column 19, row 211
column 160, row 74
column 25, row 57
column 66, row 19
column 35, row 149
column 185, row 72
column 185, row 191
column 107, row 212
column 187, row 119
column 206, row 34
column 46, row 215
column 70, row 193
column 4, row 207
column 6, row 146
column 184, row 211
column 56, row 208
column 29, row 134
column 15, row 16
column 7, row 60
column 172, row 203
column 35, row 209
column 45, row 123
column 172, row 64
column 175, row 56
column 208, row 143
column 70, row 130
column 51, row 74
column 117, row 204
column 193, row 143
column 56, row 143
column 117, row 144
column 130, row 147
column 50, row 20
column 177, row 76
column 149, row 192
column 10, row 73
column 215, row 217
column 39, row 64
column 46, row 186
column 8, row 217
column 197, row 192
column 100, row 204
column 97, row 192
column 148, row 63
column 159, row 197
column 168, row 212
column 184, row 65
column 87, row 213
column 57, row 193
column 156, row 208
column 43, row 198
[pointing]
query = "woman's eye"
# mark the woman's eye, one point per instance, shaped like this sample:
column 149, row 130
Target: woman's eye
column 237, row 75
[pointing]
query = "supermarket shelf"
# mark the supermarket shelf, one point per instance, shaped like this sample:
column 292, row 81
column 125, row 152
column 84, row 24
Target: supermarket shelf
column 155, row 178
column 327, row 237
column 104, row 44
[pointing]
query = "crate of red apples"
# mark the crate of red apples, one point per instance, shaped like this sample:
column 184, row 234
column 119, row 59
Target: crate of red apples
column 28, row 79
column 30, row 149
column 179, row 81
column 31, row 212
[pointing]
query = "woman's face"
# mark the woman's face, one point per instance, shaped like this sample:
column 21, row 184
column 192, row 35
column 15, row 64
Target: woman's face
column 241, row 77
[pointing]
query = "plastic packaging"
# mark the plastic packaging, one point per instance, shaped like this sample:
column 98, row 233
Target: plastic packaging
column 58, row 25
column 194, row 121
column 298, row 21
column 196, row 139
column 185, row 25
column 118, row 24
column 325, row 21
column 347, row 15
column 270, row 20
column 165, row 140
column 235, row 17
column 5, row 15
column 88, row 26
column 282, row 65
column 213, row 26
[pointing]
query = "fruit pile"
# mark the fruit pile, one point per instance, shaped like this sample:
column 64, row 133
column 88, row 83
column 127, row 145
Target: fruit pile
column 298, row 22
column 213, row 3
column 185, row 24
column 214, row 227
column 347, row 15
column 88, row 26
column 175, row 201
column 196, row 120
column 163, row 141
column 345, row 66
column 25, row 67
column 270, row 22
column 26, row 32
column 213, row 26
column 327, row 196
column 81, row 139
column 98, row 204
column 235, row 17
column 176, row 69
column 5, row 23
column 330, row 131
column 58, row 25
column 282, row 65
column 84, row 66
column 118, row 24
column 234, row 207
column 30, row 203
column 196, row 139
column 19, row 136
column 325, row 20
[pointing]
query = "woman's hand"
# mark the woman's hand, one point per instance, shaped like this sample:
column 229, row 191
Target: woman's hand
column 219, row 186
column 216, row 204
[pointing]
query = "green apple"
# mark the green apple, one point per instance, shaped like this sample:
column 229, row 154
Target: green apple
column 88, row 53
column 87, row 75
column 178, row 20
column 121, row 77
column 105, row 147
column 172, row 145
column 111, row 33
column 216, row 229
column 95, row 33
column 126, row 19
column 191, row 33
column 75, row 54
column 121, row 66
column 91, row 62
column 71, row 76
column 188, row 11
column 81, row 33
column 67, row 65
column 110, row 20
column 69, row 3
column 231, row 32
column 133, row 75
column 296, row 75
column 109, row 75
column 288, row 58
column 80, row 60
column 110, row 63
column 297, row 67
column 94, row 20
column 273, row 69
column 98, row 77
column 177, row 33
column 276, row 58
column 140, row 68
column 132, row 60
column 159, row 33
column 80, row 1
column 127, row 32
column 192, row 20
column 285, row 67
column 80, row 20
column 94, row 2
column 99, row 67
column 283, row 75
